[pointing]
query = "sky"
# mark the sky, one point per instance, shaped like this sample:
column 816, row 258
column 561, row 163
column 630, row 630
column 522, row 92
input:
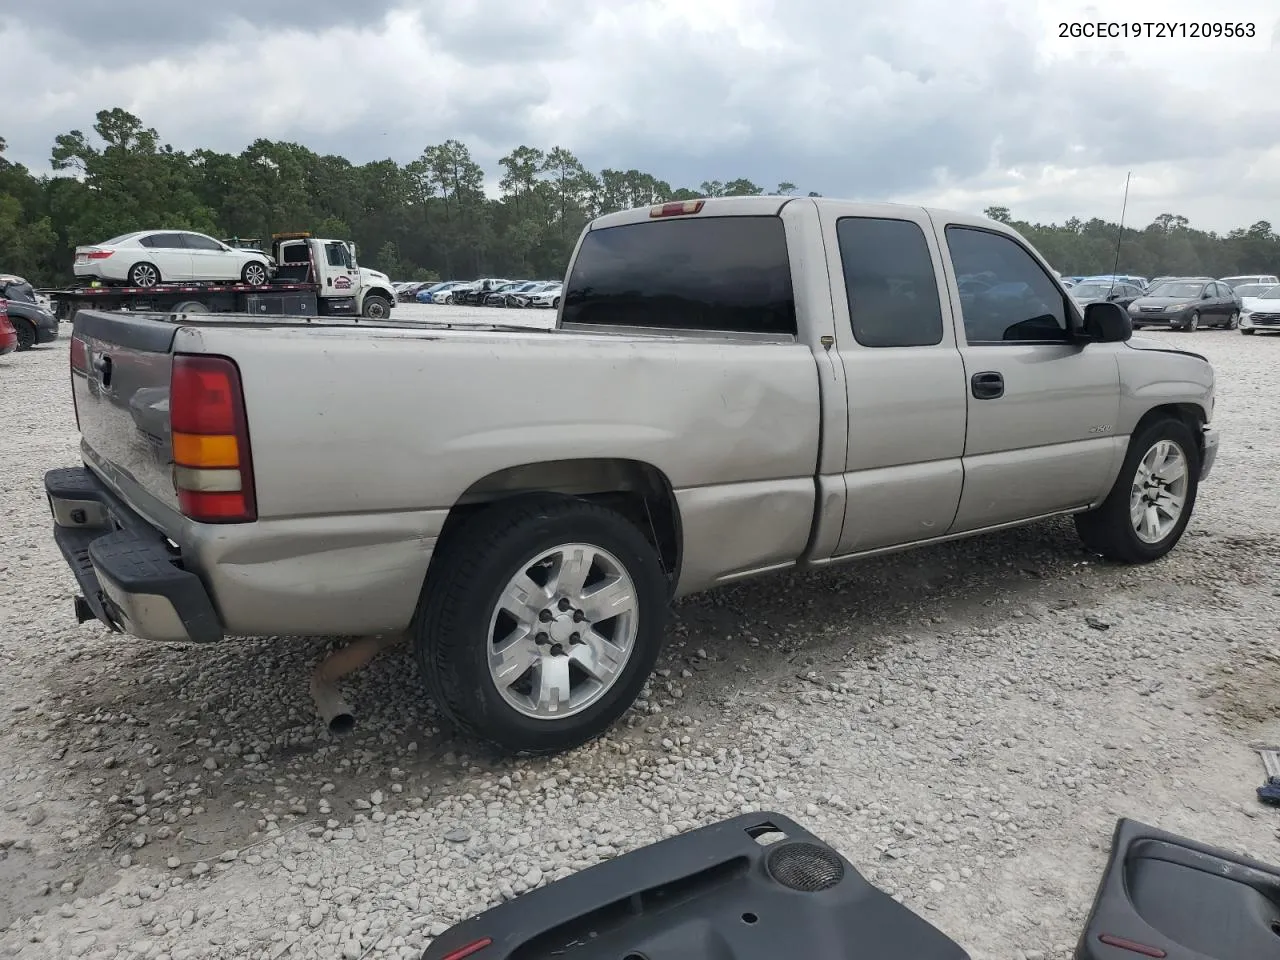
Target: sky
column 963, row 104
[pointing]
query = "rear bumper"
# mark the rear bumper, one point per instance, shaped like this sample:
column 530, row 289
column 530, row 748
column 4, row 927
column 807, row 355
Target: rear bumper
column 1210, row 451
column 131, row 579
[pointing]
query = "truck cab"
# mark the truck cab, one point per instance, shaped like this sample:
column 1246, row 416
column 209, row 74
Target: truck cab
column 342, row 285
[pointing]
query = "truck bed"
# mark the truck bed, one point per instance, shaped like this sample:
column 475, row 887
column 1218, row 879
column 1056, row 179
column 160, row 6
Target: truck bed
column 359, row 443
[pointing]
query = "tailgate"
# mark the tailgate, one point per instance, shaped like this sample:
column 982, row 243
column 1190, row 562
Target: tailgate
column 122, row 401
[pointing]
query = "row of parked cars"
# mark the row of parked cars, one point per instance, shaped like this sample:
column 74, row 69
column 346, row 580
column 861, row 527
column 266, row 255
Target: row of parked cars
column 24, row 320
column 489, row 292
column 1247, row 303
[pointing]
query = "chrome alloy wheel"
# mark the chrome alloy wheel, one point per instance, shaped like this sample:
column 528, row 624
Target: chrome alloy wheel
column 1159, row 492
column 563, row 630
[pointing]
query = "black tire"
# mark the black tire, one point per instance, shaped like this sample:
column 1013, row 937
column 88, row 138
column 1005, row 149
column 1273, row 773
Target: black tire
column 191, row 306
column 145, row 275
column 555, row 304
column 451, row 633
column 1194, row 323
column 26, row 333
column 254, row 273
column 1249, row 332
column 1233, row 321
column 376, row 307
column 1108, row 530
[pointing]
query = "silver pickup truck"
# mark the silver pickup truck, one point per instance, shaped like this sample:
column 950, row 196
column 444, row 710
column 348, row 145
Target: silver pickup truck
column 734, row 387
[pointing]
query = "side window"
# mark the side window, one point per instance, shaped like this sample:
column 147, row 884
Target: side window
column 889, row 279
column 1005, row 295
column 163, row 241
column 729, row 274
column 197, row 242
column 336, row 254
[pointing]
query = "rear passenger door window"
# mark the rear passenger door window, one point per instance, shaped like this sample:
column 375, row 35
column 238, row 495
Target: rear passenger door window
column 726, row 274
column 1005, row 295
column 890, row 283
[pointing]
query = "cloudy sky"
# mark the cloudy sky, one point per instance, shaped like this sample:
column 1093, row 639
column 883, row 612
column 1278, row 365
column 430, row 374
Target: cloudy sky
column 964, row 103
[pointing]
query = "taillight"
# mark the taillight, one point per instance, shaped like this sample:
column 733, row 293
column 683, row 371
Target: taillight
column 677, row 208
column 80, row 365
column 212, row 469
column 99, row 254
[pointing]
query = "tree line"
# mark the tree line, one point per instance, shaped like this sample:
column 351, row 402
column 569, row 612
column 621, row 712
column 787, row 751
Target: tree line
column 431, row 218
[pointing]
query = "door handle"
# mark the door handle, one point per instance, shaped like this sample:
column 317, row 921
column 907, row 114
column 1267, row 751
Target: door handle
column 987, row 385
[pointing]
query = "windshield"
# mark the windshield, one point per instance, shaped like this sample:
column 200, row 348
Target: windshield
column 1176, row 291
column 1271, row 293
column 18, row 290
column 1252, row 289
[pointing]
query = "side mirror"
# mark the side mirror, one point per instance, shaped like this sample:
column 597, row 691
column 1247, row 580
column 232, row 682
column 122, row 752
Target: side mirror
column 1107, row 323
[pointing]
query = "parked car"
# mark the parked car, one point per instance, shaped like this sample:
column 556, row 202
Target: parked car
column 734, row 387
column 33, row 323
column 1187, row 304
column 1233, row 282
column 1097, row 291
column 8, row 335
column 474, row 294
column 145, row 258
column 1260, row 309
column 427, row 294
column 548, row 297
column 502, row 296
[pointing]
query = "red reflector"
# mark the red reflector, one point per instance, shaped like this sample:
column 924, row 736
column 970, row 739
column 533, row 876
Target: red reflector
column 203, row 395
column 213, row 507
column 79, row 355
column 468, row 950
column 678, row 208
column 1131, row 945
column 100, row 254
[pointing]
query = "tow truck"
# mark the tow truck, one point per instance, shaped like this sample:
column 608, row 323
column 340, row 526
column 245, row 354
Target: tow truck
column 312, row 277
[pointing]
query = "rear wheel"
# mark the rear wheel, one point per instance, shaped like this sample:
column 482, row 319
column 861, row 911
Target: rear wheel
column 540, row 622
column 1145, row 514
column 376, row 307
column 191, row 306
column 26, row 332
column 144, row 275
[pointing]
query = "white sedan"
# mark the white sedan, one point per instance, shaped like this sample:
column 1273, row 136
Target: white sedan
column 1259, row 308
column 148, row 257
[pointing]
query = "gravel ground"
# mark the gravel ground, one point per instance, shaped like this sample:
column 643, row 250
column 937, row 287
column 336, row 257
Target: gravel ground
column 965, row 723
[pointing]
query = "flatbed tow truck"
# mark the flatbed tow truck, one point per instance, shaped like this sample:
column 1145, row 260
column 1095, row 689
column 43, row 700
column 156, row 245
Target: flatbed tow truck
column 312, row 277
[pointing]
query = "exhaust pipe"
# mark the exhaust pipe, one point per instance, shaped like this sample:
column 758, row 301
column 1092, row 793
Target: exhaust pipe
column 336, row 713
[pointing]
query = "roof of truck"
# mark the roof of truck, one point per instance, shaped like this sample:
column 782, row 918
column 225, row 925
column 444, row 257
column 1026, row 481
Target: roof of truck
column 771, row 205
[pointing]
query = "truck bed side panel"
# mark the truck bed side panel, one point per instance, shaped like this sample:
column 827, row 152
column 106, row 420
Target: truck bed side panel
column 370, row 422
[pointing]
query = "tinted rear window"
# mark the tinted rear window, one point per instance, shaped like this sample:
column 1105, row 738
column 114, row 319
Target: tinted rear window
column 888, row 274
column 712, row 273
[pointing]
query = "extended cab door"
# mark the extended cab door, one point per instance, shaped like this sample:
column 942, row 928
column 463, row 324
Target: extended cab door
column 1042, row 407
column 903, row 374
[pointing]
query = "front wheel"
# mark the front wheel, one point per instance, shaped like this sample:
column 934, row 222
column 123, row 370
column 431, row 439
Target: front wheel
column 1194, row 323
column 1247, row 331
column 541, row 621
column 376, row 307
column 1145, row 514
column 254, row 273
column 26, row 333
column 1233, row 321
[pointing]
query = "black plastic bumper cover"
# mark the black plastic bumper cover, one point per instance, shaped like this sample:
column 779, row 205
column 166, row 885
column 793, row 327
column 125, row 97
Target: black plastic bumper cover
column 716, row 892
column 132, row 556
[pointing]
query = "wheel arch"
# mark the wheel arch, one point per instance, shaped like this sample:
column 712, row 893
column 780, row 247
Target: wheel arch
column 376, row 292
column 636, row 489
column 1192, row 415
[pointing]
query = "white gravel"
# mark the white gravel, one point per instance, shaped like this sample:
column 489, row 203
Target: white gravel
column 965, row 723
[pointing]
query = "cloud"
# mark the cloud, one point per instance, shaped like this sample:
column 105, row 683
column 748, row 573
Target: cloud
column 971, row 103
